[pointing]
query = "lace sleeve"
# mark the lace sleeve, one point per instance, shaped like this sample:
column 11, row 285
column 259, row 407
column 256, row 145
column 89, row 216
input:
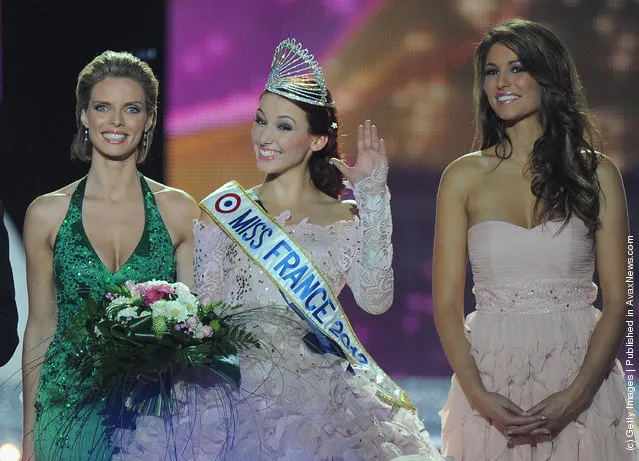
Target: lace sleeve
column 209, row 250
column 370, row 277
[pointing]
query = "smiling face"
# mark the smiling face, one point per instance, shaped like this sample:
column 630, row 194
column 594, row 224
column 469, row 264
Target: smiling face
column 281, row 137
column 512, row 92
column 116, row 117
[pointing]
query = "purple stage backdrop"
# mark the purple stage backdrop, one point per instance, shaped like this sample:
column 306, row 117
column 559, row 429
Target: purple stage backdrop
column 407, row 66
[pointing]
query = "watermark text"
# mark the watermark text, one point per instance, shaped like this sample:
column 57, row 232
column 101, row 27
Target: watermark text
column 629, row 349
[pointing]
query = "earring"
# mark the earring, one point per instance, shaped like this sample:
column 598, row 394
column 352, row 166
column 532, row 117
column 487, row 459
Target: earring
column 144, row 139
column 86, row 134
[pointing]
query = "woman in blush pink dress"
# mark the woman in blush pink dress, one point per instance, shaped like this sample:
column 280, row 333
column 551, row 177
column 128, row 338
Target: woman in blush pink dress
column 535, row 371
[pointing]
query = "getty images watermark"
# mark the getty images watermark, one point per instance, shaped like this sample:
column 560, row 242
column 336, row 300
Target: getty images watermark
column 631, row 441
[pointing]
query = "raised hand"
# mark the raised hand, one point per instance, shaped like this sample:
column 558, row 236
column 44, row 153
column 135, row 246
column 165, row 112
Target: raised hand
column 371, row 154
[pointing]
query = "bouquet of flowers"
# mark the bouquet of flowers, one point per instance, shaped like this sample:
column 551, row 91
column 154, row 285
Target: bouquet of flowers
column 159, row 330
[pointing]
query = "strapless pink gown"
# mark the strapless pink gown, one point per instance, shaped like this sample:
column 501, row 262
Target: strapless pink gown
column 529, row 335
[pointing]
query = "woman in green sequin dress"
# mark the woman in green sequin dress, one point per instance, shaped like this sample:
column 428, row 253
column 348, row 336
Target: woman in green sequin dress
column 111, row 226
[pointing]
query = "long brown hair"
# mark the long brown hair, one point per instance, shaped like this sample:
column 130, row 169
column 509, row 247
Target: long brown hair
column 563, row 163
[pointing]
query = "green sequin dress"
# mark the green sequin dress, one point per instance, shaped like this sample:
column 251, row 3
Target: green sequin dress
column 68, row 424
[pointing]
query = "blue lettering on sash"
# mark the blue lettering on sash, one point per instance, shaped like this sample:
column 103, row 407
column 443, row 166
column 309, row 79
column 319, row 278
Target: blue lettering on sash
column 260, row 240
column 296, row 275
column 305, row 286
column 322, row 309
column 318, row 292
column 273, row 251
column 239, row 225
column 289, row 262
column 256, row 225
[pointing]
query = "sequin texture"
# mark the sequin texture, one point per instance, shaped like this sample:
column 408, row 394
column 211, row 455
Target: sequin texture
column 67, row 426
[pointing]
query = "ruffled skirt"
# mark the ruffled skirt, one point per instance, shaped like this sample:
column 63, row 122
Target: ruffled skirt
column 294, row 405
column 526, row 357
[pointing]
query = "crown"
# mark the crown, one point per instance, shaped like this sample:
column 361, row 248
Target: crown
column 295, row 74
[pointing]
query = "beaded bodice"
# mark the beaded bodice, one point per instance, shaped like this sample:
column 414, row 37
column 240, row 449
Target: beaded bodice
column 519, row 270
column 79, row 271
column 79, row 274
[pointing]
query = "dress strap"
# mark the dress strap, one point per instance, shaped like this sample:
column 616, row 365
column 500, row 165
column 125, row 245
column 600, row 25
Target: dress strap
column 155, row 230
column 78, row 195
column 73, row 214
column 150, row 205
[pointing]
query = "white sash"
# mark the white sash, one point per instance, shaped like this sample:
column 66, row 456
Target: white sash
column 293, row 272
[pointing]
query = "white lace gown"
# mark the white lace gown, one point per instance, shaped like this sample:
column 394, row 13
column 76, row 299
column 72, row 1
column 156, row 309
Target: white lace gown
column 294, row 404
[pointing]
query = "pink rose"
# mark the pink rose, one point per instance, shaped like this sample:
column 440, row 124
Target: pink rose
column 153, row 295
column 154, row 291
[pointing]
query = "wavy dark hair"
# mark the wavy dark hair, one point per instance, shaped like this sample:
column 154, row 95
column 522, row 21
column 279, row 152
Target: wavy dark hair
column 113, row 64
column 564, row 162
column 325, row 177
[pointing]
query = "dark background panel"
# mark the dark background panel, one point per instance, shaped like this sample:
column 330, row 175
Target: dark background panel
column 45, row 46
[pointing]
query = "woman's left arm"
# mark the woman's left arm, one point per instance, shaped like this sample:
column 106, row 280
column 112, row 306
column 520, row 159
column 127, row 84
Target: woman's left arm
column 607, row 336
column 370, row 278
column 612, row 267
column 182, row 211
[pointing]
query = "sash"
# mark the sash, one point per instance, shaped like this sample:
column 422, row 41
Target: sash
column 301, row 283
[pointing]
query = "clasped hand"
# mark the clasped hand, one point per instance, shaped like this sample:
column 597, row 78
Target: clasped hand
column 547, row 418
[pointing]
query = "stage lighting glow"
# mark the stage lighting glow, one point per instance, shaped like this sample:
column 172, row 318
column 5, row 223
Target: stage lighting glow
column 9, row 452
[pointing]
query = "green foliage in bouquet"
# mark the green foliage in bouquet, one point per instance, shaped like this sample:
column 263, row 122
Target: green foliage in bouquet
column 160, row 332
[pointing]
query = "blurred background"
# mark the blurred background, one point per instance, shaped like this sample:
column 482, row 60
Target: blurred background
column 406, row 64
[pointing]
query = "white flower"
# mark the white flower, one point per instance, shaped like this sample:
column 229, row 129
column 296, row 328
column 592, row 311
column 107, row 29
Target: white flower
column 189, row 301
column 170, row 310
column 177, row 311
column 119, row 301
column 159, row 308
column 153, row 283
column 180, row 287
column 127, row 312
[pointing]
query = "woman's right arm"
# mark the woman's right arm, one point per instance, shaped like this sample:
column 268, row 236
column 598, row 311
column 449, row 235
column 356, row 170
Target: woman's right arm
column 449, row 278
column 41, row 322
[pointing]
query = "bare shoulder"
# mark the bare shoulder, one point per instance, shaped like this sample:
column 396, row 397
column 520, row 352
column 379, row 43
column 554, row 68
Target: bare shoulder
column 47, row 211
column 206, row 219
column 607, row 170
column 610, row 182
column 174, row 201
column 474, row 162
column 464, row 172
